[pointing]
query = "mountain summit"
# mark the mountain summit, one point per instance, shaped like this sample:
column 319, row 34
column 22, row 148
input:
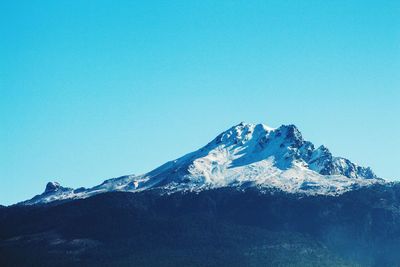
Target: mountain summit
column 246, row 155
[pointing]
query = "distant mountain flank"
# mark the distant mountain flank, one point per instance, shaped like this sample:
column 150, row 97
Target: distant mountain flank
column 246, row 155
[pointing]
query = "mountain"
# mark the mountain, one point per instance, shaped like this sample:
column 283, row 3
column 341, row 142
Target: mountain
column 246, row 155
column 253, row 196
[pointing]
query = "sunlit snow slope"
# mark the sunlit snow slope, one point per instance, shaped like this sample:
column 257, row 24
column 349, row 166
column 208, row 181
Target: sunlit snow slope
column 246, row 155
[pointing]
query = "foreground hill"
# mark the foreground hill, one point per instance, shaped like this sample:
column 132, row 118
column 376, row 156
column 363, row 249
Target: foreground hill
column 217, row 227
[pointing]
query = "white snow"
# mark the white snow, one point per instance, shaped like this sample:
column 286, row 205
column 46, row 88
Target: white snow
column 244, row 155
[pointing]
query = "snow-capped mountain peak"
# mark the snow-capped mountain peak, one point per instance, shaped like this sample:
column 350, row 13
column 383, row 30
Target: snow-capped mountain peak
column 244, row 155
column 52, row 187
column 242, row 133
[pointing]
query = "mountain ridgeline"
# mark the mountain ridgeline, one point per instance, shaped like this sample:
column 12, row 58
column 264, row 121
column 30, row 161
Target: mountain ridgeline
column 246, row 155
column 253, row 196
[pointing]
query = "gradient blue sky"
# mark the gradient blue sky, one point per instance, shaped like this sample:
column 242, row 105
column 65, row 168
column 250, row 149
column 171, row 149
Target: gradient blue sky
column 96, row 89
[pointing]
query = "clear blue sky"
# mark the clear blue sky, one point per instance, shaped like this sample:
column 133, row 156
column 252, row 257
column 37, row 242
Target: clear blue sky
column 96, row 89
